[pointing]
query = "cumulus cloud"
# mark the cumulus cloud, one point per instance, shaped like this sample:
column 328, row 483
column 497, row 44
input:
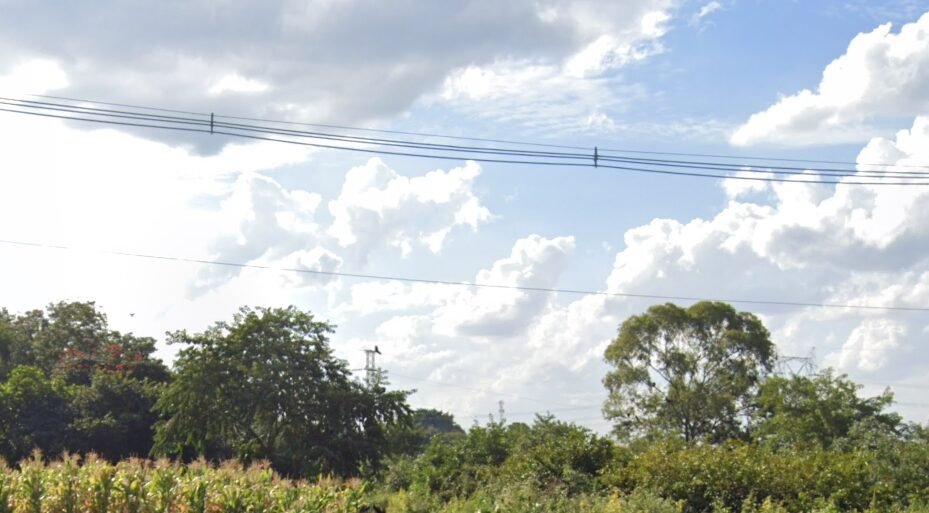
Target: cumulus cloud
column 119, row 192
column 377, row 205
column 799, row 242
column 870, row 345
column 345, row 62
column 442, row 332
column 736, row 188
column 267, row 220
column 534, row 262
column 100, row 191
column 841, row 245
column 882, row 75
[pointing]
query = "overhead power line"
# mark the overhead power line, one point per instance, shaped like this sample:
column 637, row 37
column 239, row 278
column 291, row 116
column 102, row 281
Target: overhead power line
column 479, row 285
column 491, row 140
column 168, row 119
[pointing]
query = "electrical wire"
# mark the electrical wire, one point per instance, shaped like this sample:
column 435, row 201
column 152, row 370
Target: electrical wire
column 452, row 152
column 478, row 285
column 493, row 140
column 724, row 167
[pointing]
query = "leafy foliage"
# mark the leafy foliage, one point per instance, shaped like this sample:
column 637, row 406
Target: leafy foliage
column 820, row 410
column 34, row 413
column 687, row 371
column 707, row 429
column 267, row 386
column 72, row 384
column 737, row 475
column 114, row 416
column 546, row 455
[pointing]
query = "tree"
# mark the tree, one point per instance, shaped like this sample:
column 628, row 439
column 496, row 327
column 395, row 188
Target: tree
column 801, row 411
column 114, row 415
column 426, row 424
column 687, row 372
column 436, row 422
column 34, row 414
column 72, row 340
column 7, row 343
column 76, row 385
column 267, row 386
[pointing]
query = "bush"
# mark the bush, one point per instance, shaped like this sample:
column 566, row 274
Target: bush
column 739, row 476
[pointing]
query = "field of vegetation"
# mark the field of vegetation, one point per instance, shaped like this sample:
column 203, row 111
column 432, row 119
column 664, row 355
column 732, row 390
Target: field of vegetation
column 257, row 415
column 139, row 486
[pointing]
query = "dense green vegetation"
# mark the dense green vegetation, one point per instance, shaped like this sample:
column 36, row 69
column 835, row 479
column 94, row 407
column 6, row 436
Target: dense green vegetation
column 137, row 486
column 701, row 424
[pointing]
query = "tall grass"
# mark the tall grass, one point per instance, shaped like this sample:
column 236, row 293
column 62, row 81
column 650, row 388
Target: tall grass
column 91, row 485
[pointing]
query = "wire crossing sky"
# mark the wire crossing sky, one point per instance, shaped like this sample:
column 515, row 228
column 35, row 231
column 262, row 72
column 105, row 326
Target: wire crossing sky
column 475, row 284
column 207, row 124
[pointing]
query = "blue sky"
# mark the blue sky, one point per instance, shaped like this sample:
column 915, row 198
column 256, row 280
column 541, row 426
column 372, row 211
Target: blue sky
column 813, row 80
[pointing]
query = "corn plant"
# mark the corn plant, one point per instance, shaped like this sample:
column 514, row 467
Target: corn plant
column 70, row 485
column 29, row 486
column 131, row 493
column 63, row 486
column 162, row 487
column 6, row 487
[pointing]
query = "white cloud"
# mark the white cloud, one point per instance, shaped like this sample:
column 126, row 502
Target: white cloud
column 235, row 83
column 103, row 190
column 377, row 206
column 534, row 262
column 482, row 312
column 35, row 76
column 871, row 344
column 265, row 222
column 326, row 62
column 705, row 11
column 882, row 75
column 736, row 188
column 539, row 97
column 462, row 335
column 810, row 243
column 574, row 92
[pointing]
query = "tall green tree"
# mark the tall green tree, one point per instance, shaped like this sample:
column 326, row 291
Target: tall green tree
column 821, row 410
column 8, row 343
column 687, row 372
column 267, row 386
column 72, row 340
column 114, row 416
column 97, row 385
column 35, row 413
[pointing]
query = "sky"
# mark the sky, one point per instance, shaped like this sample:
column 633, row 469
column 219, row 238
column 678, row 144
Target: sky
column 831, row 80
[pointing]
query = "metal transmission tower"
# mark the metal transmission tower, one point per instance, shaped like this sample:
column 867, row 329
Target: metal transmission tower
column 372, row 373
column 796, row 365
column 501, row 415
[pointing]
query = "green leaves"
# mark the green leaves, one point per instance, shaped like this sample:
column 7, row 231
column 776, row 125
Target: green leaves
column 820, row 411
column 136, row 486
column 267, row 386
column 685, row 371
